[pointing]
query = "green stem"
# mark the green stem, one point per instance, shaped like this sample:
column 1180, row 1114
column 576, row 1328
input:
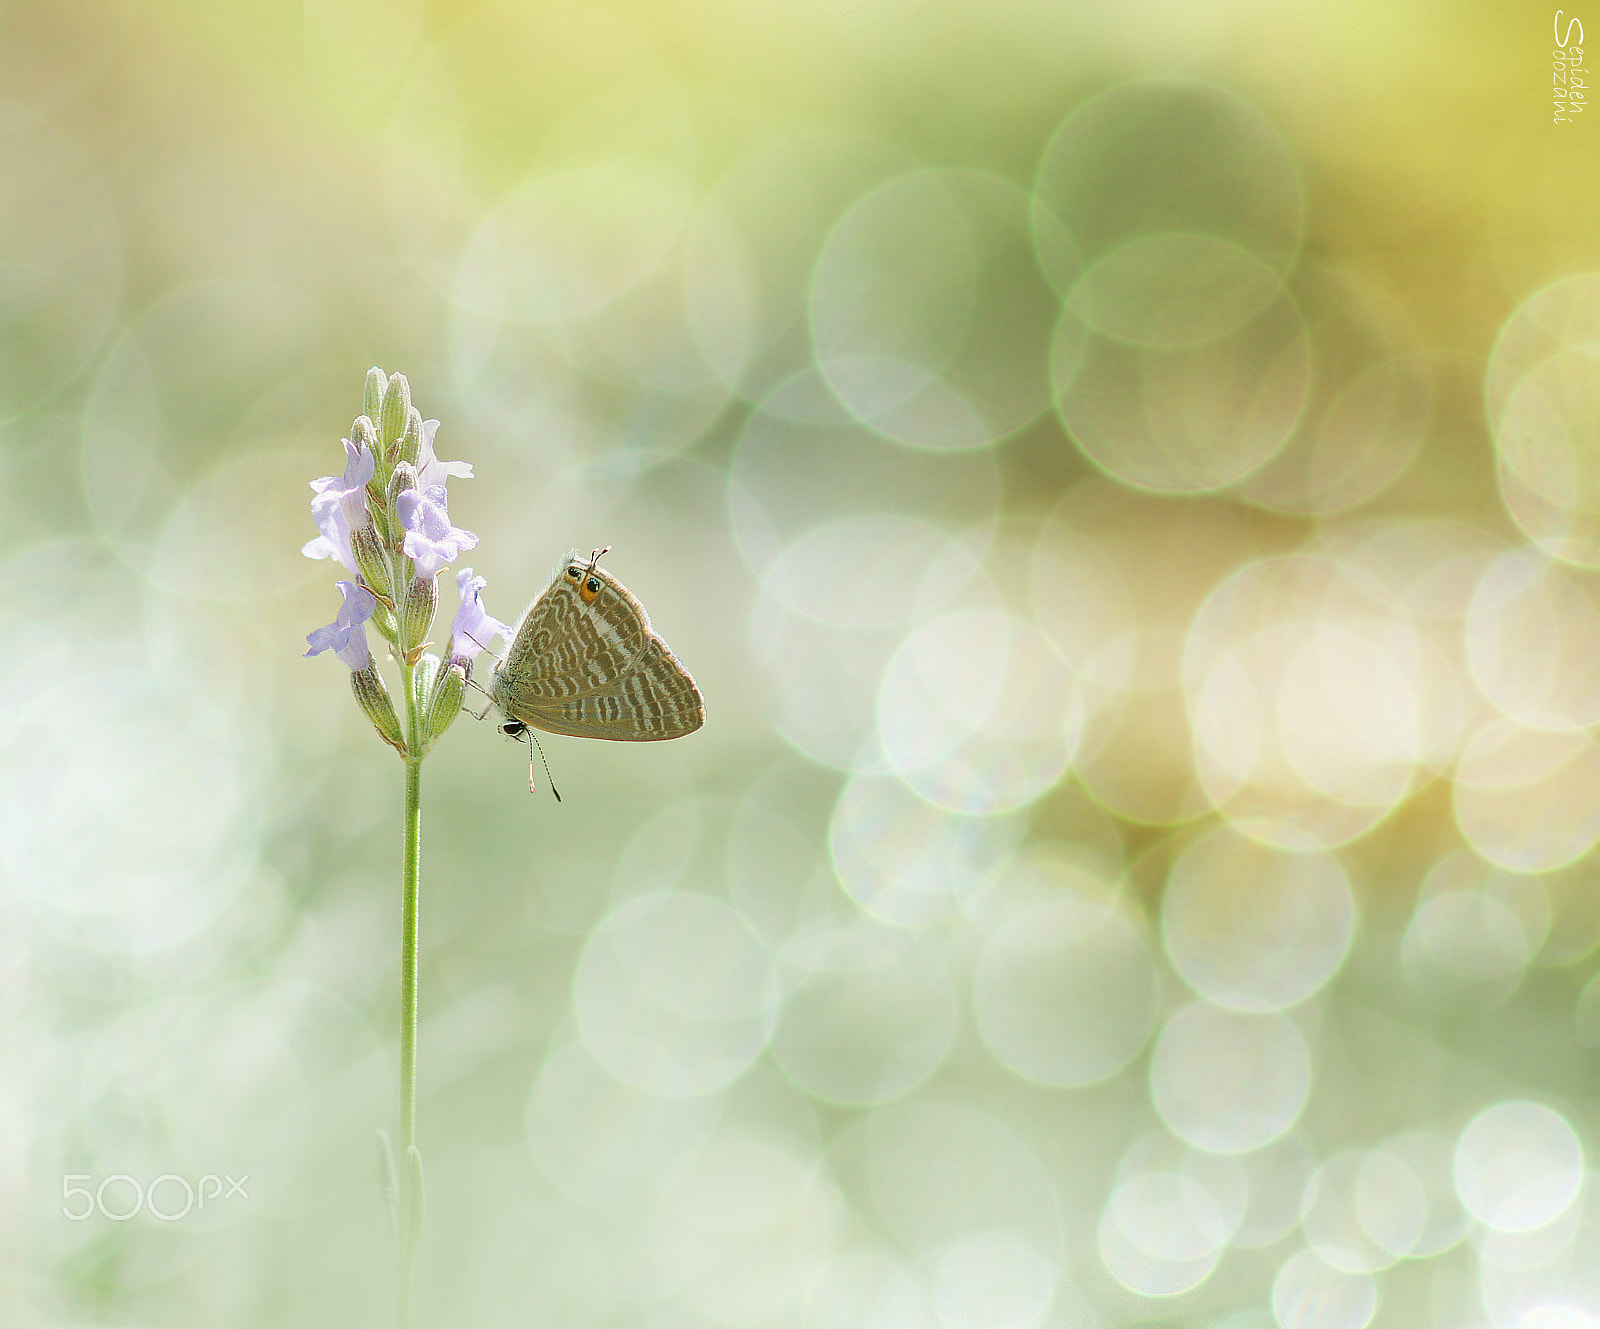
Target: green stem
column 411, row 894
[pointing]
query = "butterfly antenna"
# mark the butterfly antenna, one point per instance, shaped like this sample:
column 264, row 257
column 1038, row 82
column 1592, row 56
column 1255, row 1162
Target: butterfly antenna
column 532, row 744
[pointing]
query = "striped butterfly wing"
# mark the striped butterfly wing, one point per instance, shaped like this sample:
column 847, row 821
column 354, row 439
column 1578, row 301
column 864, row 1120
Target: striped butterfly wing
column 591, row 667
column 655, row 699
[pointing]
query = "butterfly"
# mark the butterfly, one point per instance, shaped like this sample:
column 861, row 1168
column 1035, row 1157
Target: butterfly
column 584, row 661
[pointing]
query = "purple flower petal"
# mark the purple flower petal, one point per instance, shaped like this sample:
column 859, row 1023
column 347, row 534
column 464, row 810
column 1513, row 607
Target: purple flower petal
column 339, row 506
column 346, row 636
column 431, row 541
column 430, row 470
column 473, row 627
column 323, row 546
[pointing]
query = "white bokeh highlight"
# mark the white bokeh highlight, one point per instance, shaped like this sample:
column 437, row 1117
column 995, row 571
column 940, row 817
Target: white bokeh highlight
column 1255, row 928
column 1309, row 1293
column 1066, row 990
column 1229, row 1081
column 675, row 994
column 1518, row 1166
column 869, row 1012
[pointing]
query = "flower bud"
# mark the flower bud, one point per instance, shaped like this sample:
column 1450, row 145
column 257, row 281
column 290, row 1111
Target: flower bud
column 372, row 394
column 396, row 410
column 383, row 618
column 382, row 523
column 411, row 440
column 444, row 704
column 373, row 697
column 417, row 605
column 362, row 433
column 422, row 676
column 403, row 478
column 372, row 560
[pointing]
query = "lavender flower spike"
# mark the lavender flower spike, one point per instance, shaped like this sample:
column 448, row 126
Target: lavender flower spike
column 339, row 506
column 346, row 636
column 473, row 627
column 431, row 541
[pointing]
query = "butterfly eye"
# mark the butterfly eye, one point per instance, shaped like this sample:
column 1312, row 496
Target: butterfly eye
column 573, row 572
column 589, row 590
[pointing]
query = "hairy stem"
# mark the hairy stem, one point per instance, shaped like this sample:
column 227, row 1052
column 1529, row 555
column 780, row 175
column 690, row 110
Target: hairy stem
column 410, row 1199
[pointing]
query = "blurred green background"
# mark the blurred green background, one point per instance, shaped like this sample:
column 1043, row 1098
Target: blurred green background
column 1126, row 478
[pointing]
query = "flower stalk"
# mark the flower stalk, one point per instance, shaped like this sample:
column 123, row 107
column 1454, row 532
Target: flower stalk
column 410, row 1198
column 386, row 521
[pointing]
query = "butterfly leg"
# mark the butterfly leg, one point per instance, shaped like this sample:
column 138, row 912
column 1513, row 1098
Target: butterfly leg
column 478, row 715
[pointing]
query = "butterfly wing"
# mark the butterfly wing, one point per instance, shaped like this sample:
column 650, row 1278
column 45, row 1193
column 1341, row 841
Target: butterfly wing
column 565, row 648
column 655, row 699
column 595, row 669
